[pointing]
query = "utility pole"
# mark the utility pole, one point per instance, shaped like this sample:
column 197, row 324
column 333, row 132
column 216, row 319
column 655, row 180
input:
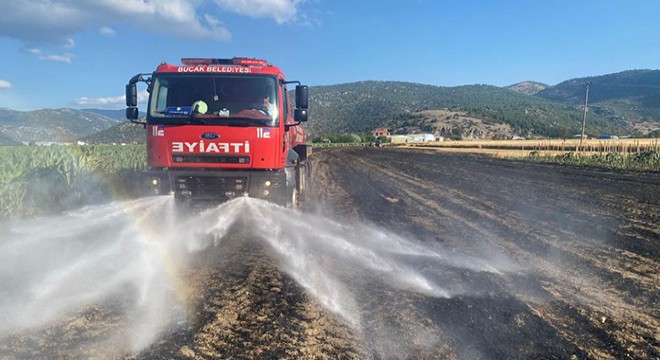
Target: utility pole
column 584, row 116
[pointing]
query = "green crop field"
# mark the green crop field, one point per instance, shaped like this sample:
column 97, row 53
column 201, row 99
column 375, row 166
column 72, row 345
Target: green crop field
column 40, row 180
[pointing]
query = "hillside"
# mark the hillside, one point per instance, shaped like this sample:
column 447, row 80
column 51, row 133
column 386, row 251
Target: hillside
column 472, row 111
column 452, row 124
column 363, row 106
column 126, row 133
column 4, row 140
column 631, row 97
column 48, row 125
column 527, row 87
column 113, row 114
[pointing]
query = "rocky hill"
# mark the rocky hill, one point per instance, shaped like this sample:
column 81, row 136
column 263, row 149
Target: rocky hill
column 123, row 133
column 452, row 124
column 51, row 125
column 527, row 87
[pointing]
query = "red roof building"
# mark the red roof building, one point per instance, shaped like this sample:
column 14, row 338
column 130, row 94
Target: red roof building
column 380, row 132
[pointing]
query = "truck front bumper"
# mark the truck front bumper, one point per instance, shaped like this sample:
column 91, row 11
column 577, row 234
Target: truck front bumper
column 220, row 185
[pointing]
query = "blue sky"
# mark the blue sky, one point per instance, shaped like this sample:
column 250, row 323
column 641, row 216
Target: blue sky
column 62, row 53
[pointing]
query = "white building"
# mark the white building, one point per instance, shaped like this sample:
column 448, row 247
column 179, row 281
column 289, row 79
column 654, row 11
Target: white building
column 419, row 138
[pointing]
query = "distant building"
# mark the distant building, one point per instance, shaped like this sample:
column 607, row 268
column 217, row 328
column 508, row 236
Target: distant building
column 412, row 138
column 608, row 137
column 419, row 138
column 399, row 139
column 380, row 132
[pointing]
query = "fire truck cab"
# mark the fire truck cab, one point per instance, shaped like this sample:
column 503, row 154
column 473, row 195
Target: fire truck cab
column 222, row 128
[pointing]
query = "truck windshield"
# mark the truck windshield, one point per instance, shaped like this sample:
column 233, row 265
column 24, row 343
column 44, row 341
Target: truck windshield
column 214, row 99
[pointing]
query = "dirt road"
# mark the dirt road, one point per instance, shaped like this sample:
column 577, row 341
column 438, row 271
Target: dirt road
column 533, row 260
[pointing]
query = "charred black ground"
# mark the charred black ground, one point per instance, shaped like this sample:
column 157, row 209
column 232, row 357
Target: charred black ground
column 583, row 244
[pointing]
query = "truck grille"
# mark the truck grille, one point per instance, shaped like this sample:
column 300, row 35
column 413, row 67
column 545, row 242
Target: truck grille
column 213, row 159
column 210, row 187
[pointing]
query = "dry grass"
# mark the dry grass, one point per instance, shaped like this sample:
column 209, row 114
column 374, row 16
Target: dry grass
column 492, row 152
column 633, row 154
column 520, row 148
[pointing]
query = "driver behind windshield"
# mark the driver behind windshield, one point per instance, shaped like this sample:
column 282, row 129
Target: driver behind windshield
column 262, row 104
column 258, row 107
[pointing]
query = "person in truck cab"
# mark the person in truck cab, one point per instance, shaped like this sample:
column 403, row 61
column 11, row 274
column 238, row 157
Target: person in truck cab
column 258, row 107
column 262, row 104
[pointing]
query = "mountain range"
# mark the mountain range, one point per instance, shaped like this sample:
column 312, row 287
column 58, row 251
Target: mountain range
column 631, row 97
column 50, row 125
column 623, row 103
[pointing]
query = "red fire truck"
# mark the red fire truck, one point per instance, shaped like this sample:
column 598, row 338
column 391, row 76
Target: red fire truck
column 223, row 128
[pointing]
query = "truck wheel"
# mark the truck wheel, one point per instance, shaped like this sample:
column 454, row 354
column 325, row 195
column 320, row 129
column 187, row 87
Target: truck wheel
column 309, row 170
column 293, row 201
column 300, row 179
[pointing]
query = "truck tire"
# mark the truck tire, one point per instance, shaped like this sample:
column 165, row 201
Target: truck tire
column 300, row 178
column 293, row 199
column 309, row 171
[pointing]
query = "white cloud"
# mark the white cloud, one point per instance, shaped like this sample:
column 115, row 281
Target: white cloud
column 107, row 31
column 211, row 20
column 65, row 58
column 47, row 55
column 280, row 10
column 100, row 101
column 4, row 84
column 54, row 22
column 143, row 96
column 70, row 44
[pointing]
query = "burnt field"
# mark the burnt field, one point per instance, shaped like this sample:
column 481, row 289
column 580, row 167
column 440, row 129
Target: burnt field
column 394, row 254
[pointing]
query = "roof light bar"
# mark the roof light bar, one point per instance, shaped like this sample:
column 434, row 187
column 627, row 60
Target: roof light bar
column 196, row 61
column 234, row 61
column 250, row 62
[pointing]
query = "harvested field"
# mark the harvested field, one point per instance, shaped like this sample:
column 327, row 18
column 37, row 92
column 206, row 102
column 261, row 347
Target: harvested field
column 397, row 254
column 588, row 145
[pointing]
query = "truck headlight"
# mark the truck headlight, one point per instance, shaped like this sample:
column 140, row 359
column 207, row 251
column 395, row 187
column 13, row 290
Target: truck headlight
column 267, row 183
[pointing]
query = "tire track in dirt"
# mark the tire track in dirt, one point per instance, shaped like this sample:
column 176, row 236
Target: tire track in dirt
column 245, row 307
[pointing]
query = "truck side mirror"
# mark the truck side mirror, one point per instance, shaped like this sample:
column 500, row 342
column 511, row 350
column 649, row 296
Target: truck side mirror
column 132, row 113
column 302, row 97
column 300, row 115
column 131, row 95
